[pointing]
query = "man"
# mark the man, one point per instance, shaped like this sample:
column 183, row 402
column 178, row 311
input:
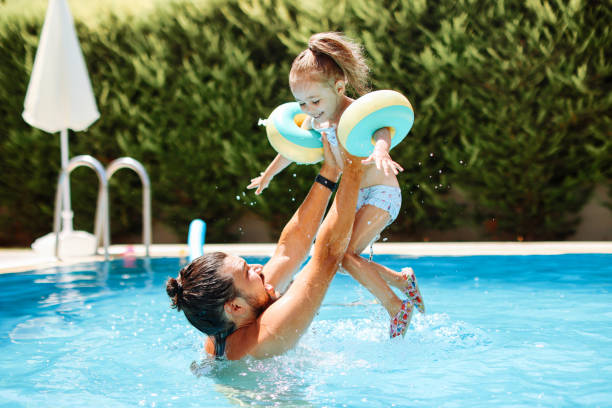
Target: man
column 238, row 305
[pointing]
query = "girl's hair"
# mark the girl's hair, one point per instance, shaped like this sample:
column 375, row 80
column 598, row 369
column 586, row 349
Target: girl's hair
column 332, row 56
column 201, row 292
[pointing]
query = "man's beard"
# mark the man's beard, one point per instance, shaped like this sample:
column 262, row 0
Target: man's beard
column 259, row 307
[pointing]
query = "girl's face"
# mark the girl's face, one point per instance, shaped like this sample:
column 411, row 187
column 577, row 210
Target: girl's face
column 319, row 100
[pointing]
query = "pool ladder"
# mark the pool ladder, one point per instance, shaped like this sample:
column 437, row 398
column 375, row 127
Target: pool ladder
column 102, row 220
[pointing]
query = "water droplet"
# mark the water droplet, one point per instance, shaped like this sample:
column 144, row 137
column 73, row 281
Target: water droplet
column 294, row 175
column 431, row 155
column 385, row 239
column 440, row 171
column 237, row 197
column 460, row 161
column 292, row 198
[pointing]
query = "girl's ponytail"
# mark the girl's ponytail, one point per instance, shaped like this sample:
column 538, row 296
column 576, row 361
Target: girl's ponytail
column 333, row 56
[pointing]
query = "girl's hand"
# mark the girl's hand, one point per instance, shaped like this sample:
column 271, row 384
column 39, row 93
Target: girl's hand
column 279, row 163
column 261, row 182
column 380, row 156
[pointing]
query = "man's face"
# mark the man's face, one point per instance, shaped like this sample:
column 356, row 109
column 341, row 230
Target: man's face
column 250, row 283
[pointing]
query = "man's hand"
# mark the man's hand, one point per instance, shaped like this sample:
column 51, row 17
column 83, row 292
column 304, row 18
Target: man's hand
column 329, row 160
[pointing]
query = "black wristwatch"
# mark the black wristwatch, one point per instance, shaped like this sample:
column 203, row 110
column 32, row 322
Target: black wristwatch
column 326, row 182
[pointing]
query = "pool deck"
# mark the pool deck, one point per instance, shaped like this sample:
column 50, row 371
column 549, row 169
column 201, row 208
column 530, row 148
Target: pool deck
column 23, row 259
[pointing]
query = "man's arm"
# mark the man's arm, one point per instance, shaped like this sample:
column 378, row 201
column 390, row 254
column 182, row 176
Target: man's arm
column 299, row 233
column 281, row 325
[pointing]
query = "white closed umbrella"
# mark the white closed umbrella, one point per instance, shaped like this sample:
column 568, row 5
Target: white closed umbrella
column 60, row 96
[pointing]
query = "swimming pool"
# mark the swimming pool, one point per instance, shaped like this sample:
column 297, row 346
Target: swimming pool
column 500, row 331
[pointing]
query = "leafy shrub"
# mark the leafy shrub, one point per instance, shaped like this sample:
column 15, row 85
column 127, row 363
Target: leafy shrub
column 511, row 101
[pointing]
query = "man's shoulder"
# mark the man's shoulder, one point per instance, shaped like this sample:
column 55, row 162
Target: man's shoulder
column 243, row 341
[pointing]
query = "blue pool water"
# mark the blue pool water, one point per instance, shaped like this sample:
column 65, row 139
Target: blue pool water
column 500, row 331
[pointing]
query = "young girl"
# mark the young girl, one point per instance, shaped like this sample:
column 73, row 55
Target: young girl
column 318, row 79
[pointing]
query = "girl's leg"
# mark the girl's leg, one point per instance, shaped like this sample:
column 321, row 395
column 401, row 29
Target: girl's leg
column 369, row 222
column 405, row 280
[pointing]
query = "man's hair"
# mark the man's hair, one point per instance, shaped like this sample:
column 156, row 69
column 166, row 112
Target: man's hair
column 201, row 292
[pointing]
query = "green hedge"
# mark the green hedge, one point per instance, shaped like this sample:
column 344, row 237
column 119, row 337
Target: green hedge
column 512, row 102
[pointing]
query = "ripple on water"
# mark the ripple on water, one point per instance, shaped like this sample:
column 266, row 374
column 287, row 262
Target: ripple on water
column 39, row 328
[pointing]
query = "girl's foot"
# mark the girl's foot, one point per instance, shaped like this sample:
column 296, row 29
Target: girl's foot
column 412, row 289
column 401, row 321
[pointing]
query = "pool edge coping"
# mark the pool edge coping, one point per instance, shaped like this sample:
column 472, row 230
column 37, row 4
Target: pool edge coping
column 23, row 259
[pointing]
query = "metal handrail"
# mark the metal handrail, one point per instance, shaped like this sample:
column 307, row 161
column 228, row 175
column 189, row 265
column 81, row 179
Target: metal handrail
column 102, row 215
column 128, row 162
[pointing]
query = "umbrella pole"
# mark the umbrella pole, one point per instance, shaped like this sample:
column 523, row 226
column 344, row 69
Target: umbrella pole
column 66, row 209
